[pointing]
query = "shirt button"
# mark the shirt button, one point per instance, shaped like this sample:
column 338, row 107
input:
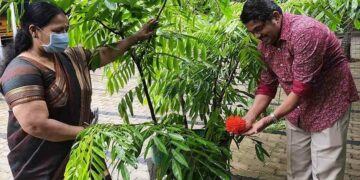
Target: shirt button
column 283, row 79
column 278, row 49
column 281, row 65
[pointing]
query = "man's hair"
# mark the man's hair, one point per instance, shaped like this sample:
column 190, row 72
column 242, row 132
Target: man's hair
column 259, row 10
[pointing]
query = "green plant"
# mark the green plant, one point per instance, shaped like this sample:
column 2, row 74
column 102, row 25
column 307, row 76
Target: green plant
column 87, row 157
column 177, row 70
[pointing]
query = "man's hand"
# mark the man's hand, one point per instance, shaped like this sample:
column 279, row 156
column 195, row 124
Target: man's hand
column 147, row 30
column 258, row 126
column 249, row 124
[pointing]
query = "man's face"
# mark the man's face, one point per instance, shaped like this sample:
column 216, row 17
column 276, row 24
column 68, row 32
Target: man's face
column 269, row 31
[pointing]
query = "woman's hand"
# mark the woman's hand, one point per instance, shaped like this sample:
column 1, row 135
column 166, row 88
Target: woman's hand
column 259, row 126
column 147, row 30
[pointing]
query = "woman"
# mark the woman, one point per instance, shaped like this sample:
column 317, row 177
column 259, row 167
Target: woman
column 48, row 89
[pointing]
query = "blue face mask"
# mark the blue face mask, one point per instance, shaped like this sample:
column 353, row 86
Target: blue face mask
column 58, row 43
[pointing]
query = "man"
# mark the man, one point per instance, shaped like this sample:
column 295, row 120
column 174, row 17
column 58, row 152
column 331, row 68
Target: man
column 306, row 59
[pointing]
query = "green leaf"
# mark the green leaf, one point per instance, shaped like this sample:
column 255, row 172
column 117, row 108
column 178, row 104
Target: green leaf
column 225, row 8
column 188, row 49
column 123, row 108
column 177, row 137
column 259, row 153
column 95, row 175
column 99, row 161
column 148, row 147
column 354, row 4
column 9, row 22
column 112, row 6
column 203, row 54
column 160, row 145
column 131, row 95
column 181, row 47
column 216, row 171
column 320, row 15
column 172, row 44
column 176, row 170
column 124, row 172
column 263, row 150
column 335, row 19
column 238, row 141
column 2, row 10
column 129, row 104
column 139, row 94
column 98, row 151
column 196, row 52
column 180, row 158
column 357, row 24
column 181, row 145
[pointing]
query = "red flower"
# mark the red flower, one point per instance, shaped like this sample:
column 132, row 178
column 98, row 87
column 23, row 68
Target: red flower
column 235, row 125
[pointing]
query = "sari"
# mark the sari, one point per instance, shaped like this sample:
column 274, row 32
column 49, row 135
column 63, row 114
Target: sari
column 67, row 93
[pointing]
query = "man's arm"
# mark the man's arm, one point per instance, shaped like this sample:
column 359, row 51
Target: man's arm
column 261, row 102
column 265, row 92
column 289, row 104
column 33, row 118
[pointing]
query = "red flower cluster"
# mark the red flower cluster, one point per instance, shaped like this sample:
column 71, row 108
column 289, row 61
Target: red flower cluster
column 235, row 125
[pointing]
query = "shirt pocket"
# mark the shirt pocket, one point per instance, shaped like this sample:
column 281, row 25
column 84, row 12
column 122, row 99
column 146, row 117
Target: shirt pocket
column 283, row 71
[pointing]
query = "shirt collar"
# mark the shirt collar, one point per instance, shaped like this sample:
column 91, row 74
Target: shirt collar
column 285, row 27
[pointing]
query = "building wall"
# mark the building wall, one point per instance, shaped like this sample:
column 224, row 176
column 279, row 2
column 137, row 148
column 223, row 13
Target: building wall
column 4, row 33
column 355, row 46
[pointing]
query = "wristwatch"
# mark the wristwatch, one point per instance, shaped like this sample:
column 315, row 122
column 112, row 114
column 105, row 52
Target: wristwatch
column 274, row 119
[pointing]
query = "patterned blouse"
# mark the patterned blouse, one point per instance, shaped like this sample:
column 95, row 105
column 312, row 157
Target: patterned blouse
column 310, row 63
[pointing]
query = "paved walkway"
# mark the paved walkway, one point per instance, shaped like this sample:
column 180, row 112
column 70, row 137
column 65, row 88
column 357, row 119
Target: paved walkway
column 244, row 160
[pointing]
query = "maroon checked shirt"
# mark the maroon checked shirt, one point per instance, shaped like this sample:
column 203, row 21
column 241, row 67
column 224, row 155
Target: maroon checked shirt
column 310, row 63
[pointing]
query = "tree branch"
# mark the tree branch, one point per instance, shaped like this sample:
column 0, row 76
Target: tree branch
column 137, row 61
column 215, row 99
column 146, row 89
column 161, row 10
column 148, row 41
column 120, row 33
column 231, row 77
column 183, row 109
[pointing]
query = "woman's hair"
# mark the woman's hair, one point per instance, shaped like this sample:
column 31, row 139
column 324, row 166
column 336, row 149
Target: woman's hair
column 38, row 14
column 259, row 10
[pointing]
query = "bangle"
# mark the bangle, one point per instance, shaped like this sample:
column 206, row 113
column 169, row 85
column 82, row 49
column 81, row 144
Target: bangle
column 273, row 118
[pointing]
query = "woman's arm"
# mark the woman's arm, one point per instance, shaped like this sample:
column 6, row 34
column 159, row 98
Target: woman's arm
column 109, row 54
column 33, row 118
